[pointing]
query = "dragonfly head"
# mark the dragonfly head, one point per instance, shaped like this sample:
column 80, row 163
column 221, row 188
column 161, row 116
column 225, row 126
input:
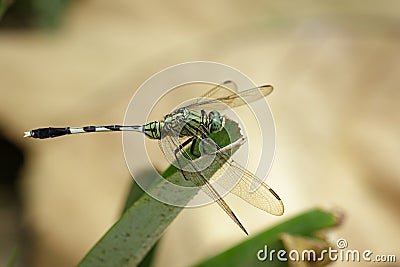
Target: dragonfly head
column 215, row 122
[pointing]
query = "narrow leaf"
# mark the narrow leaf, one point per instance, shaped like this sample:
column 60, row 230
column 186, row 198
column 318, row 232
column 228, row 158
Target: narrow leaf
column 248, row 252
column 143, row 223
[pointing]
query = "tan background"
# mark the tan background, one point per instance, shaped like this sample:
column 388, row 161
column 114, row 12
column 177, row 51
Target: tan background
column 335, row 68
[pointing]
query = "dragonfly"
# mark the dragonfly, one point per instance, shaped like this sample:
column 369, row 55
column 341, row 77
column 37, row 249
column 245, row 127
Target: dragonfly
column 184, row 128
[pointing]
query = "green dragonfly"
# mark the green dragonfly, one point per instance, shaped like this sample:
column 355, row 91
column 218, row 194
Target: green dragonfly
column 189, row 126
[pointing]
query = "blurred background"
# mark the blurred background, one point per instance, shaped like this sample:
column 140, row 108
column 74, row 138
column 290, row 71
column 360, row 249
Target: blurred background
column 335, row 68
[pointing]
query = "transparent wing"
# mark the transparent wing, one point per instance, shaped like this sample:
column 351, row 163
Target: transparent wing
column 263, row 197
column 220, row 90
column 223, row 98
column 169, row 145
column 232, row 172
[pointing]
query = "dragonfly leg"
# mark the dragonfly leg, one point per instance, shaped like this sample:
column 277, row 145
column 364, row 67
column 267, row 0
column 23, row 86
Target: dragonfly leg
column 193, row 146
column 184, row 144
column 199, row 138
column 179, row 148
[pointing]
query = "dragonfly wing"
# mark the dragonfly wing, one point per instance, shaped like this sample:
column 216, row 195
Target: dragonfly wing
column 232, row 176
column 263, row 197
column 220, row 90
column 226, row 98
column 169, row 143
column 198, row 179
column 193, row 173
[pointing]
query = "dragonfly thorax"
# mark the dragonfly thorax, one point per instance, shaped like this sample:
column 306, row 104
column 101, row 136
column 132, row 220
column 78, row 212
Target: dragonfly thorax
column 185, row 123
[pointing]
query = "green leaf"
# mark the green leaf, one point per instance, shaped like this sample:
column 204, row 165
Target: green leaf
column 4, row 4
column 49, row 13
column 135, row 193
column 307, row 225
column 142, row 224
column 14, row 259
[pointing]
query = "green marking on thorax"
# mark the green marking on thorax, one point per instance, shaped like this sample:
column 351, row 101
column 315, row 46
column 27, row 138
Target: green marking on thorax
column 186, row 122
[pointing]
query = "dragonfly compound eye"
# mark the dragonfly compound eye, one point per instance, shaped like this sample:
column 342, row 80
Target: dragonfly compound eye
column 216, row 121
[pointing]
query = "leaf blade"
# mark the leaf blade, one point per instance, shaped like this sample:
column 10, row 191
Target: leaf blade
column 129, row 240
column 245, row 253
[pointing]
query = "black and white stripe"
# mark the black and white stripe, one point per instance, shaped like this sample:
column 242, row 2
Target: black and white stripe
column 50, row 132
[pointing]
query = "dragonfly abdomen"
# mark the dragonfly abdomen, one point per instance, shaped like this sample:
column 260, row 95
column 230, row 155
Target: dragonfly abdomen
column 153, row 129
column 51, row 132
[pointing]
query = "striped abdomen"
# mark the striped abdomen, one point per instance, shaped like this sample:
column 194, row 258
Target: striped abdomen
column 153, row 129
